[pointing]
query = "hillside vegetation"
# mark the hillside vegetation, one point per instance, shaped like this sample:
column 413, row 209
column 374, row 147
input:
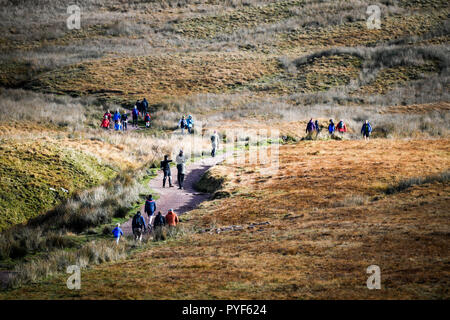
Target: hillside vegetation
column 336, row 205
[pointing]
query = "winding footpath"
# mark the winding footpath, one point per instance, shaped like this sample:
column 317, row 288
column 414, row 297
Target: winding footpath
column 183, row 200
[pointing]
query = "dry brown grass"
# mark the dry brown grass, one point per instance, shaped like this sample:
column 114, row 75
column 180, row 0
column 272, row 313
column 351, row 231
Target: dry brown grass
column 311, row 249
column 156, row 76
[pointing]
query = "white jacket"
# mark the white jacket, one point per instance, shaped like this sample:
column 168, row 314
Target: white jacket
column 181, row 160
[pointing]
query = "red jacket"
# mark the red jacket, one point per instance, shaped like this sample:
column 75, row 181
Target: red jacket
column 172, row 218
column 105, row 123
column 107, row 114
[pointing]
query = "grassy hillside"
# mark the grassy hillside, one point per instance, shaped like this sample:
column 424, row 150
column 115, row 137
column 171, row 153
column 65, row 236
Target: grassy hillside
column 334, row 206
column 330, row 217
column 36, row 176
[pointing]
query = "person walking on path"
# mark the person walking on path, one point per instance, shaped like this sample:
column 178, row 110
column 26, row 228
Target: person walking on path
column 109, row 115
column 147, row 120
column 150, row 208
column 310, row 128
column 172, row 221
column 214, row 143
column 316, row 124
column 105, row 123
column 135, row 114
column 117, row 233
column 116, row 116
column 366, row 130
column 181, row 168
column 182, row 124
column 158, row 225
column 124, row 121
column 190, row 124
column 144, row 104
column 341, row 127
column 331, row 127
column 165, row 167
column 137, row 225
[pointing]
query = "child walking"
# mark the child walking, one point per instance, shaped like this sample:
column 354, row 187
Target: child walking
column 117, row 233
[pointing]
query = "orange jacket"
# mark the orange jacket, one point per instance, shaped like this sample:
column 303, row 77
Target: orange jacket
column 172, row 218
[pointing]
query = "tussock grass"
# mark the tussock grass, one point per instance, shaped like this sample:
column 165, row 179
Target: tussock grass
column 443, row 177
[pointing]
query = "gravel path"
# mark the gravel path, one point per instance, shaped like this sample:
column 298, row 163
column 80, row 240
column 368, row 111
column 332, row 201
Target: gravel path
column 180, row 201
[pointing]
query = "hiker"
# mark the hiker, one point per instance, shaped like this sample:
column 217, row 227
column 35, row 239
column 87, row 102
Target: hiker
column 310, row 127
column 124, row 120
column 150, row 208
column 181, row 168
column 147, row 120
column 137, row 225
column 182, row 124
column 158, row 224
column 316, row 124
column 366, row 130
column 105, row 123
column 118, row 126
column 171, row 220
column 144, row 105
column 116, row 116
column 190, row 123
column 135, row 114
column 165, row 167
column 214, row 143
column 117, row 233
column 331, row 127
column 109, row 115
column 139, row 106
column 341, row 127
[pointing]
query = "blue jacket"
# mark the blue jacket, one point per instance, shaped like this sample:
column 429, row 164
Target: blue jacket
column 117, row 126
column 141, row 219
column 189, row 122
column 117, row 232
column 369, row 128
column 331, row 127
column 116, row 116
column 150, row 206
column 135, row 112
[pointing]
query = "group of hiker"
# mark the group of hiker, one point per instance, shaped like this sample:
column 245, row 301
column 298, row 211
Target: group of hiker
column 154, row 224
column 186, row 123
column 314, row 127
column 157, row 222
column 119, row 121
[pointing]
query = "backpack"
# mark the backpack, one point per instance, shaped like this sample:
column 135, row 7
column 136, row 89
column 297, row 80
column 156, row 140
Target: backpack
column 183, row 123
column 137, row 222
column 158, row 220
column 213, row 138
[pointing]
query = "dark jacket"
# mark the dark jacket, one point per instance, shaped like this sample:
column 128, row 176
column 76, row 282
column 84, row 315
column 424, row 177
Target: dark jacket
column 159, row 221
column 310, row 127
column 165, row 165
column 366, row 128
